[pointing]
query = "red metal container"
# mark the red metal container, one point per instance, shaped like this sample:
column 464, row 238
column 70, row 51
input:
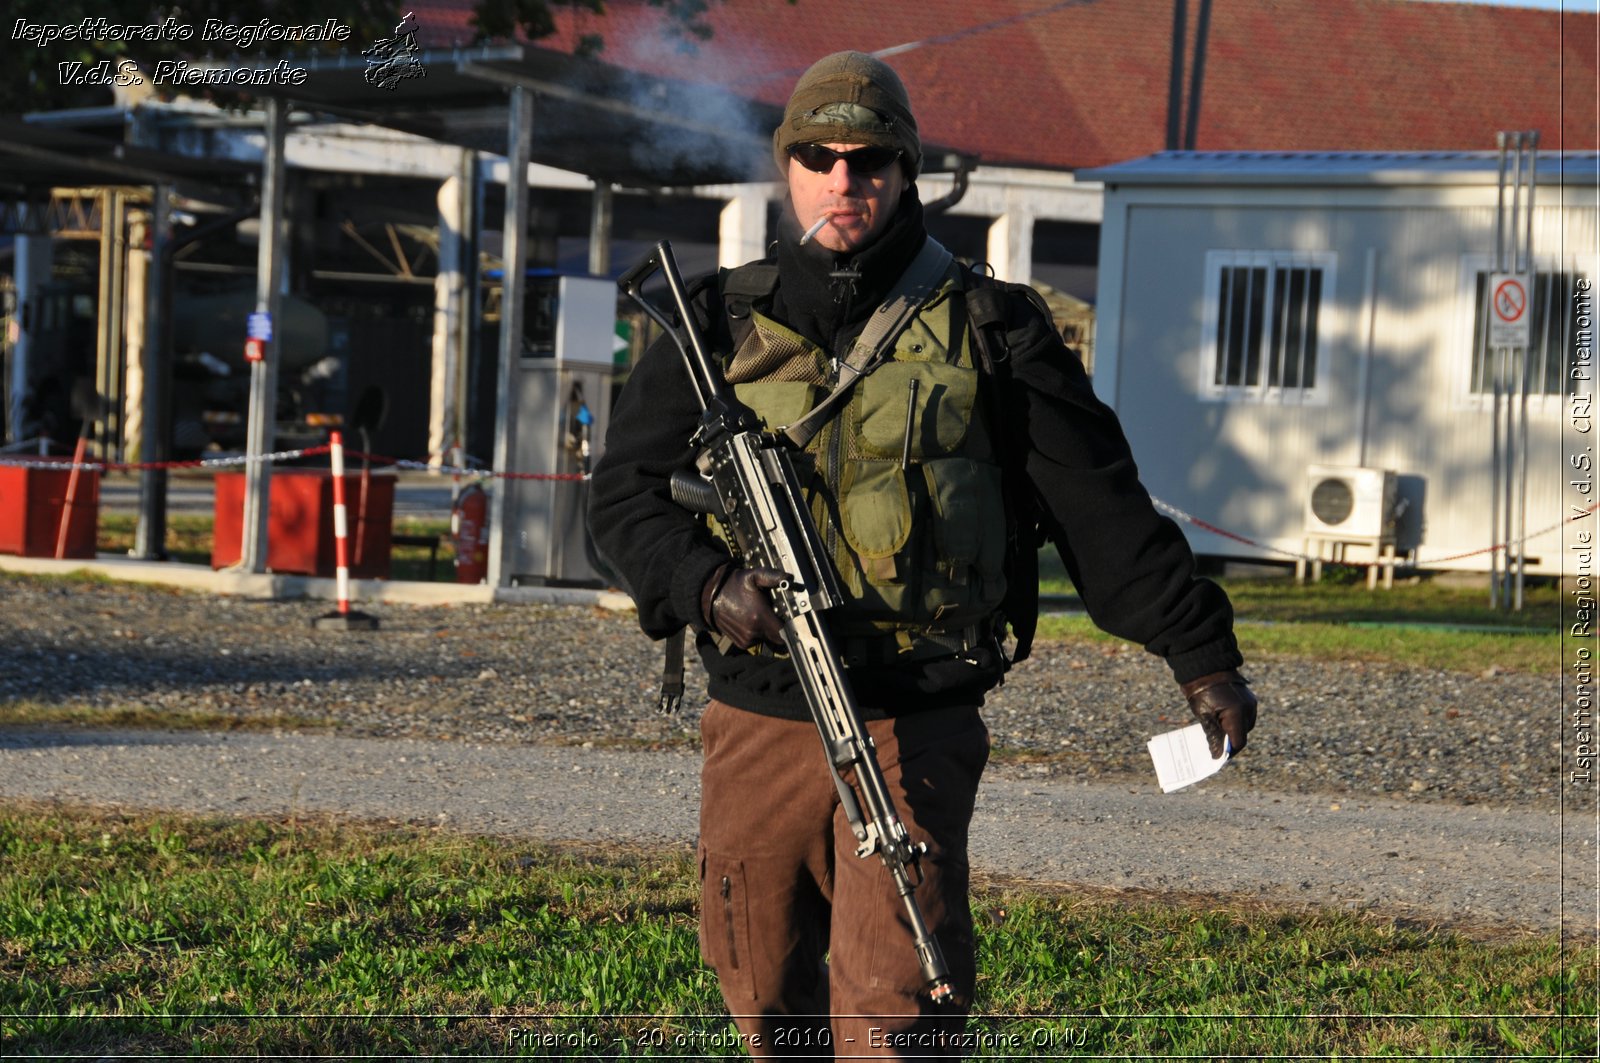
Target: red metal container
column 300, row 522
column 32, row 497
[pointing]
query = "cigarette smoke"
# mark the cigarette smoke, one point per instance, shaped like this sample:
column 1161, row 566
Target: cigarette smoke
column 707, row 124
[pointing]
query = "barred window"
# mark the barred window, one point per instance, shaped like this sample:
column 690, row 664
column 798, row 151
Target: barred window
column 1552, row 326
column 1264, row 319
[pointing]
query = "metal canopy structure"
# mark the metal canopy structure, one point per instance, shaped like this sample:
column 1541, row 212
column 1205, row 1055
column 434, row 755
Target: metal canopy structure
column 594, row 118
column 36, row 158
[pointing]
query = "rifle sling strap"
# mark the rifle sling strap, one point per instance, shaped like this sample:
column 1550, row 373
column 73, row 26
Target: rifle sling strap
column 671, row 696
column 915, row 287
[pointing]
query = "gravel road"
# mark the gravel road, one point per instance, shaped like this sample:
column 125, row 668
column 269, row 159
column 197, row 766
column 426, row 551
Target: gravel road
column 1422, row 793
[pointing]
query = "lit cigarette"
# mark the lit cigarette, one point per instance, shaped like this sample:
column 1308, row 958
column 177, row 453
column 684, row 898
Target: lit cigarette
column 816, row 227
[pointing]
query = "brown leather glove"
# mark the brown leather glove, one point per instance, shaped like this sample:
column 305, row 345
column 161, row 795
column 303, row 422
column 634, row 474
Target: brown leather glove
column 1224, row 705
column 735, row 605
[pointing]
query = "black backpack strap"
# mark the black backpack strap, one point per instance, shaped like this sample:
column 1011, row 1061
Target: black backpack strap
column 751, row 281
column 742, row 288
column 987, row 317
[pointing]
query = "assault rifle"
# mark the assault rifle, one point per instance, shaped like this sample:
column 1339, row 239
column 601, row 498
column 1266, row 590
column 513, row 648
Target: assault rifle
column 747, row 479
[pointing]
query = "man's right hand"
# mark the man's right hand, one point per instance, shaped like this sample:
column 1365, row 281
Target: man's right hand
column 734, row 603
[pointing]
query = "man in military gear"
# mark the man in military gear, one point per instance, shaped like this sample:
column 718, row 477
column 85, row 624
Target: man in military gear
column 929, row 480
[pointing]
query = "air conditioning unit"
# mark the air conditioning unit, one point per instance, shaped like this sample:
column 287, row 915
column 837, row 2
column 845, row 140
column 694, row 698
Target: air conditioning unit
column 1345, row 502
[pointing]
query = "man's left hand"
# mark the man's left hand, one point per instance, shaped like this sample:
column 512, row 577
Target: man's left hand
column 1225, row 707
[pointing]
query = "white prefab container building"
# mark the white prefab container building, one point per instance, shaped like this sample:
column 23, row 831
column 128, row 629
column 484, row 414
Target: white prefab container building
column 1289, row 340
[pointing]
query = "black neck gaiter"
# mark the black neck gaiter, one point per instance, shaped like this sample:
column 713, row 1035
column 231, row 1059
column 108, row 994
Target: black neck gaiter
column 826, row 296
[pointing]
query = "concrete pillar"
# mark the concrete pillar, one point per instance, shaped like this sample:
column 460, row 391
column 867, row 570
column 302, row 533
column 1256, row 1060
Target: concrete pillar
column 1011, row 245
column 743, row 229
column 450, row 309
column 133, row 322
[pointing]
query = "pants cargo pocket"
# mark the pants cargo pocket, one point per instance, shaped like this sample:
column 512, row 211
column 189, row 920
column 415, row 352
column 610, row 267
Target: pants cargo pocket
column 725, row 925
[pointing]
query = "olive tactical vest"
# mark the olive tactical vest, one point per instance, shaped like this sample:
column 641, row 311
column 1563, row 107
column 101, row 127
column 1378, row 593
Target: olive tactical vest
column 904, row 482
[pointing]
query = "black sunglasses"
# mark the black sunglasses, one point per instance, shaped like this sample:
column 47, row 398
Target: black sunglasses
column 863, row 162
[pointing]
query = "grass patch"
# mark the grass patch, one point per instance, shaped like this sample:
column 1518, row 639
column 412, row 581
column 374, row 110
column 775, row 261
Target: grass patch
column 1419, row 623
column 144, row 934
column 1419, row 648
column 188, row 536
column 29, row 713
column 1338, row 599
column 1422, row 601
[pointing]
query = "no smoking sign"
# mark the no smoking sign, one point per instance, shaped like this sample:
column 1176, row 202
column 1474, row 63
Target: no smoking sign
column 1508, row 310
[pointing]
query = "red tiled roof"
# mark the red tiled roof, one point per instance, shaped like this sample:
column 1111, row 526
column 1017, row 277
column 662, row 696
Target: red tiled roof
column 1078, row 83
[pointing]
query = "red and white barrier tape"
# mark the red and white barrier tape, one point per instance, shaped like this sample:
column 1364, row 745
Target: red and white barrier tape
column 1178, row 514
column 461, row 470
column 458, row 470
column 289, row 455
column 194, row 463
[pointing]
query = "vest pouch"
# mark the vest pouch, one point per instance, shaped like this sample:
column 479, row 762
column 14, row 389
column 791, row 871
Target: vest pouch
column 772, row 351
column 941, row 408
column 779, row 402
column 969, row 537
column 875, row 515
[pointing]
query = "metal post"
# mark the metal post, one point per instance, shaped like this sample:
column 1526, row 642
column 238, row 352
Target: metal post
column 1509, row 357
column 150, row 536
column 1369, row 329
column 1532, row 140
column 1180, row 20
column 519, row 133
column 104, row 341
column 1492, row 367
column 117, row 416
column 600, row 229
column 261, row 429
column 1197, row 74
column 31, row 268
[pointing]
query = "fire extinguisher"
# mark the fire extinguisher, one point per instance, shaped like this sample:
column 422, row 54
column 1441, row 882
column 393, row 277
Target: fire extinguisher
column 469, row 529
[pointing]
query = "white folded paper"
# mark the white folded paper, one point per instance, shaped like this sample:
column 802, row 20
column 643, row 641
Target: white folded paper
column 1183, row 757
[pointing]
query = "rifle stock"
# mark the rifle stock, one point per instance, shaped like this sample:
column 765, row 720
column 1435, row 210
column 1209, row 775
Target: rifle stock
column 747, row 479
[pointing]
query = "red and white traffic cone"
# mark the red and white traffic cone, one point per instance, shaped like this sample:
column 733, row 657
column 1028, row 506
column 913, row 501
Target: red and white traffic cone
column 343, row 618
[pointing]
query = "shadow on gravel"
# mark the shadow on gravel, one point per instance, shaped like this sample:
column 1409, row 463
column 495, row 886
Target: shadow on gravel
column 42, row 736
column 46, row 676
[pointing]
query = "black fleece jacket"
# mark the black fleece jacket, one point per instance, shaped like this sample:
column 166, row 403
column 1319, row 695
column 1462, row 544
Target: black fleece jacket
column 1132, row 566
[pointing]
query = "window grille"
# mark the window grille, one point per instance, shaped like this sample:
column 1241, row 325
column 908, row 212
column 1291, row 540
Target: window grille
column 1264, row 323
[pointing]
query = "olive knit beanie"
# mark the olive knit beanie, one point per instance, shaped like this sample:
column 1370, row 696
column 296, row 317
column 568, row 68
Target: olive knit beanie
column 850, row 98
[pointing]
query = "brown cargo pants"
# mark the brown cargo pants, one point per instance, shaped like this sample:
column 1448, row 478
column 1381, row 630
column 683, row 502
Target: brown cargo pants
column 797, row 927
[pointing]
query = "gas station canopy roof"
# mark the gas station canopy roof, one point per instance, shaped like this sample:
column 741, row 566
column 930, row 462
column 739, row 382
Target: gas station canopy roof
column 36, row 158
column 589, row 117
